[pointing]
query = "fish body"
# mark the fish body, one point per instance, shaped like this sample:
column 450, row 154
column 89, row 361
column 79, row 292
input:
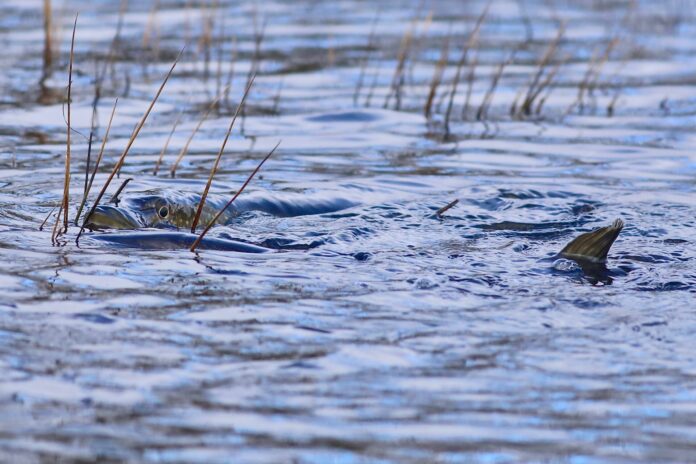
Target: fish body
column 155, row 240
column 177, row 210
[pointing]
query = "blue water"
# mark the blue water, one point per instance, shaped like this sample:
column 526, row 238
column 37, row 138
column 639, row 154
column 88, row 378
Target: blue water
column 380, row 332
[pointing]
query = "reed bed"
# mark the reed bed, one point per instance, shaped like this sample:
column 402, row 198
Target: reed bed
column 445, row 87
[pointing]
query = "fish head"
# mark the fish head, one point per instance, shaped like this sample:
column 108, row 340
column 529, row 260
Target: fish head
column 112, row 217
column 161, row 210
column 138, row 212
column 155, row 210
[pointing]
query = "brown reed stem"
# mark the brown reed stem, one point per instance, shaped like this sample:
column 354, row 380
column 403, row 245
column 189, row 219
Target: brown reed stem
column 201, row 203
column 166, row 144
column 417, row 46
column 115, row 43
column 230, row 74
column 449, row 205
column 47, row 216
column 185, row 148
column 114, row 197
column 218, row 73
column 66, row 182
column 473, row 36
column 217, row 216
column 404, row 49
column 96, row 164
column 48, row 37
column 366, row 59
column 147, row 37
column 536, row 86
column 548, row 85
column 54, row 233
column 89, row 158
column 133, row 136
column 482, row 112
column 593, row 84
column 276, row 98
column 471, row 77
column 437, row 74
column 373, row 86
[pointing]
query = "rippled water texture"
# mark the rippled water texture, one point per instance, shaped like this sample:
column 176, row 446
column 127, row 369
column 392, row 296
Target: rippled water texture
column 379, row 332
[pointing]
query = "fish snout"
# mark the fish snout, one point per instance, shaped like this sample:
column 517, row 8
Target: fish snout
column 112, row 217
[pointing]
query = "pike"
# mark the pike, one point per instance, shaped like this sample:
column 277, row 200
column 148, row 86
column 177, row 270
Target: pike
column 175, row 210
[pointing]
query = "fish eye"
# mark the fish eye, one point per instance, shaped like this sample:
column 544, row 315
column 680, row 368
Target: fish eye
column 163, row 212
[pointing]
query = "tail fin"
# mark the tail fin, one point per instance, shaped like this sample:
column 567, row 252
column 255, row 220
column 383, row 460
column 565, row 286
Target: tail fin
column 594, row 246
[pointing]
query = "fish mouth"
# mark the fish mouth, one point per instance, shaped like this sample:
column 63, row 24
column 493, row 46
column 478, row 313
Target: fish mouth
column 111, row 217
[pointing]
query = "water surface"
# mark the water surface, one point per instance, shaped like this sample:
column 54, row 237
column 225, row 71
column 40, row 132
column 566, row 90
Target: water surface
column 381, row 332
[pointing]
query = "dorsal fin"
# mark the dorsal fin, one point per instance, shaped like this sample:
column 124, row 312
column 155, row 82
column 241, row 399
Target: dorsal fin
column 594, row 246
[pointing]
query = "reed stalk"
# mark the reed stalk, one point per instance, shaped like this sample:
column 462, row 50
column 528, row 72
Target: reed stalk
column 131, row 140
column 224, row 208
column 213, row 170
column 89, row 158
column 473, row 37
column 166, row 144
column 47, row 217
column 471, row 77
column 230, row 73
column 404, row 49
column 366, row 59
column 438, row 73
column 66, row 181
column 449, row 205
column 114, row 197
column 48, row 37
column 185, row 148
column 482, row 112
column 96, row 164
column 536, row 86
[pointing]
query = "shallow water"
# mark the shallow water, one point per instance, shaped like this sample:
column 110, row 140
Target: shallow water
column 378, row 333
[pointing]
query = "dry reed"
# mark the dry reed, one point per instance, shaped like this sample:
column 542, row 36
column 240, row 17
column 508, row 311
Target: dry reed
column 48, row 37
column 213, row 170
column 185, row 148
column 114, row 197
column 96, row 164
column 131, row 140
column 438, row 73
column 166, row 143
column 482, row 112
column 230, row 73
column 224, row 208
column 449, row 205
column 47, row 217
column 366, row 59
column 536, row 85
column 397, row 77
column 473, row 37
column 66, row 182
